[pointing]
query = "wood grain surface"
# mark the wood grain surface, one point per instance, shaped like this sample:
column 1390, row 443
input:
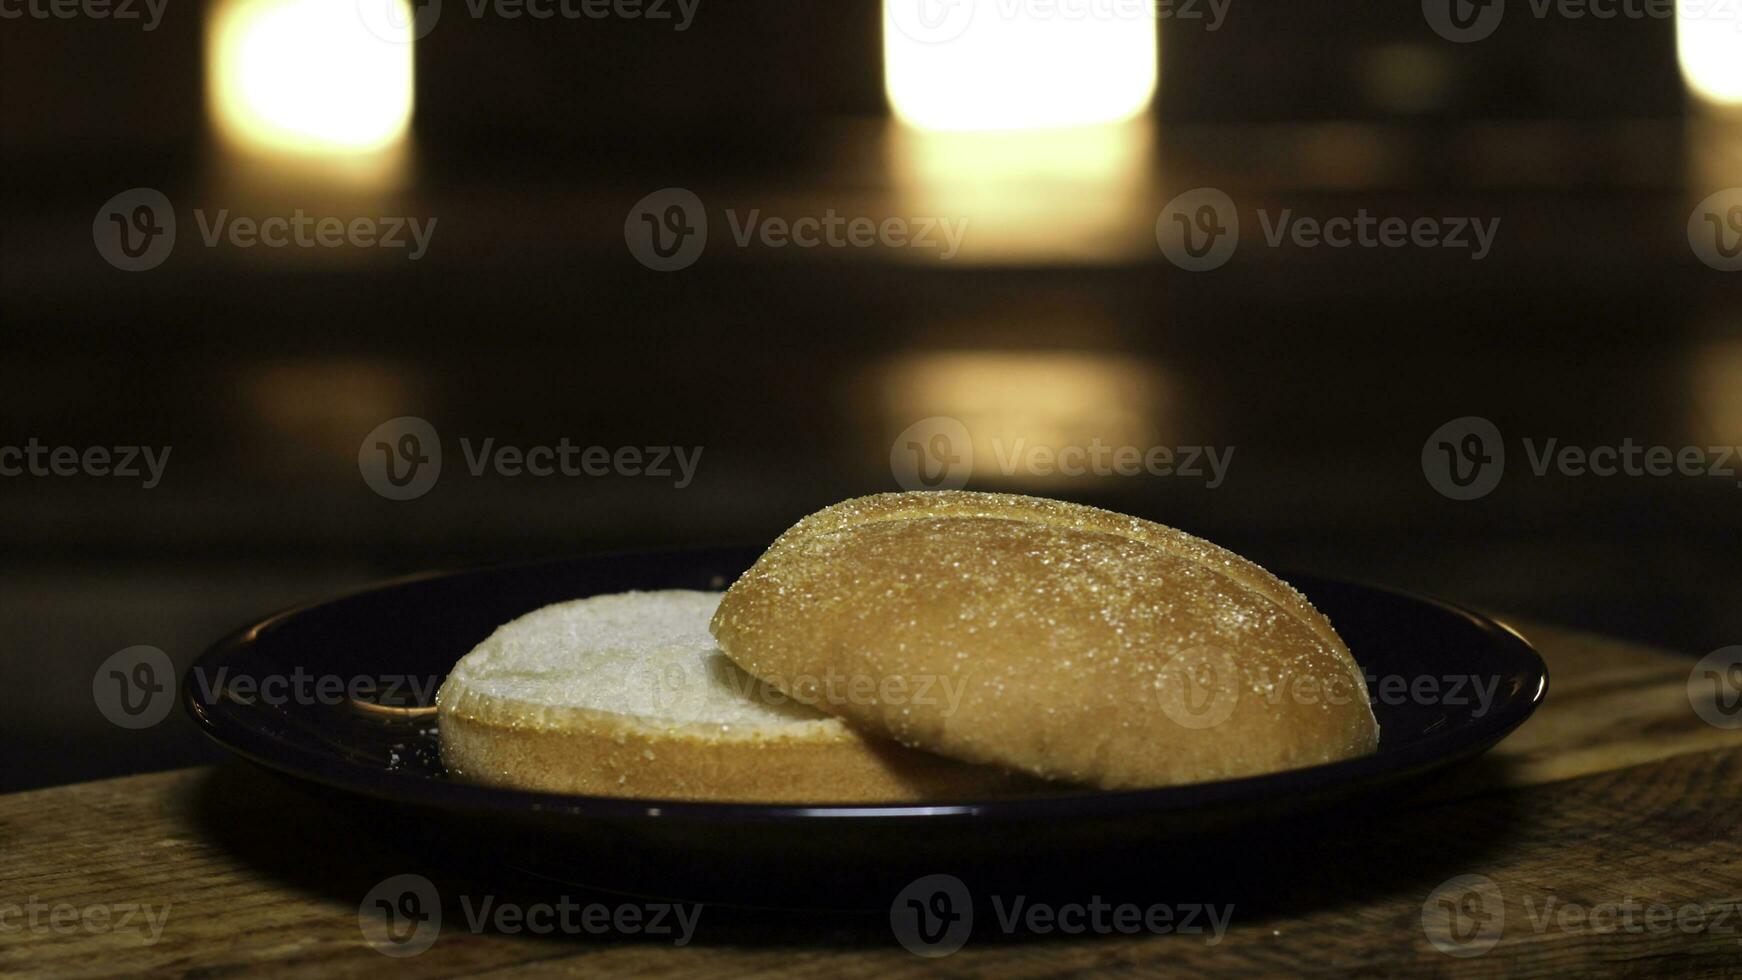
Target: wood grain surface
column 1606, row 833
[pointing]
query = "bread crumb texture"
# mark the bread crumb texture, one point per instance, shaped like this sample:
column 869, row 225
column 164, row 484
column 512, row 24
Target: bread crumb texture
column 628, row 695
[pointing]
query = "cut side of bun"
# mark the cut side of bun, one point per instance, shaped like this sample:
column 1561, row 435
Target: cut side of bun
column 1085, row 645
column 627, row 695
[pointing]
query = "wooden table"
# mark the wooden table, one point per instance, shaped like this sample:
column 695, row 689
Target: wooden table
column 1608, row 826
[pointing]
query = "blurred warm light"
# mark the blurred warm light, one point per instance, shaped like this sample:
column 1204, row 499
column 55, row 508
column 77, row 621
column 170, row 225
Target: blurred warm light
column 1344, row 156
column 1015, row 401
column 1409, row 78
column 311, row 412
column 1041, row 195
column 1713, row 150
column 308, row 77
column 1717, row 391
column 1014, row 65
column 1709, row 39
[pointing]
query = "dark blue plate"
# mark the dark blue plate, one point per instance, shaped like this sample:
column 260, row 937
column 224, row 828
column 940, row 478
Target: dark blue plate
column 337, row 694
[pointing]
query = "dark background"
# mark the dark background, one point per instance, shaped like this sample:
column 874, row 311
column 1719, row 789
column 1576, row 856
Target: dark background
column 529, row 321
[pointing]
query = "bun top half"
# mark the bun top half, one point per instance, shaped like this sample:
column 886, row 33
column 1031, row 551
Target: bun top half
column 1056, row 639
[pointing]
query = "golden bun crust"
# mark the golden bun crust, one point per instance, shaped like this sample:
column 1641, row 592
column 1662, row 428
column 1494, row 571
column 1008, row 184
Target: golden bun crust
column 626, row 695
column 1056, row 639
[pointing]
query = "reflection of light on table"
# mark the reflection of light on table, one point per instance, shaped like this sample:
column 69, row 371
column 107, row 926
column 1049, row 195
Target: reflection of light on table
column 1039, row 195
column 308, row 78
column 1008, row 65
column 1717, row 390
column 1409, row 78
column 1714, row 152
column 1013, row 402
column 313, row 412
column 1709, row 41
